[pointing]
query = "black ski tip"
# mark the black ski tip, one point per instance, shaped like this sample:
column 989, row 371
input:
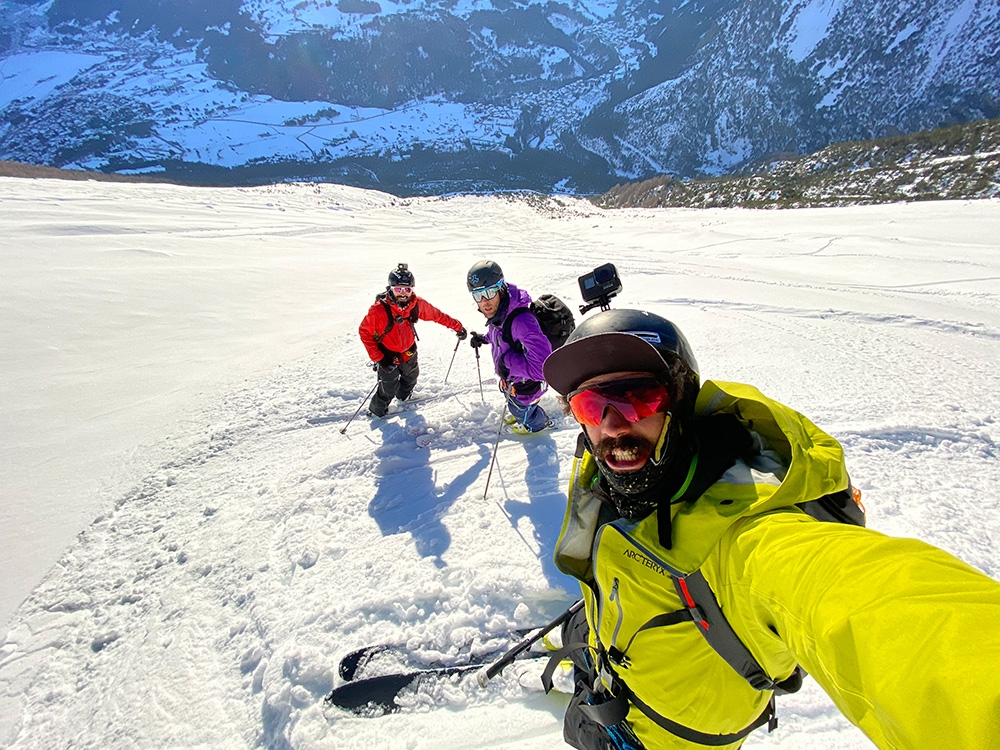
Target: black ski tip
column 375, row 696
column 372, row 697
column 357, row 659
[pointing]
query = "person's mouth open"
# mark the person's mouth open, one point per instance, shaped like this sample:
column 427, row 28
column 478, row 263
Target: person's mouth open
column 624, row 454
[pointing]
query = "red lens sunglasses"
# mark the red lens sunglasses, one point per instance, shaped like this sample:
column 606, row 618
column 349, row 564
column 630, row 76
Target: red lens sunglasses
column 633, row 398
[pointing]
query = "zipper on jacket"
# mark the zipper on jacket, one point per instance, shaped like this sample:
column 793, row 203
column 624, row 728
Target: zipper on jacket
column 610, row 649
column 616, row 598
column 613, row 596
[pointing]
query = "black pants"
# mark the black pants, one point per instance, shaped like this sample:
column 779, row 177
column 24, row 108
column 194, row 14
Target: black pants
column 395, row 383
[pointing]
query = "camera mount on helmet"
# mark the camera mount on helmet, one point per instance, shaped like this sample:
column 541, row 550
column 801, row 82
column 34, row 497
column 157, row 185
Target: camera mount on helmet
column 598, row 287
column 401, row 275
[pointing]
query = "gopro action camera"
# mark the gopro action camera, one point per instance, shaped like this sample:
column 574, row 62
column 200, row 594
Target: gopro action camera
column 599, row 286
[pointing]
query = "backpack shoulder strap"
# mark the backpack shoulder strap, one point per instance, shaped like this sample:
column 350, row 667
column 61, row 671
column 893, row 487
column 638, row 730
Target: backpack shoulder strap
column 728, row 440
column 505, row 333
column 697, row 596
column 721, row 439
column 390, row 318
column 609, row 695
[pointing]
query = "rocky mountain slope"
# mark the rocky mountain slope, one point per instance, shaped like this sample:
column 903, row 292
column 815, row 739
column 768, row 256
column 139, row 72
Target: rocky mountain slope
column 959, row 162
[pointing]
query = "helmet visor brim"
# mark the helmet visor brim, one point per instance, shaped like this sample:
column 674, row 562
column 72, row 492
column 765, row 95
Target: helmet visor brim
column 586, row 358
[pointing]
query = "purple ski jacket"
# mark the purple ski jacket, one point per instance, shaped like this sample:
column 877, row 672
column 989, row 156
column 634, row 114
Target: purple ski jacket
column 520, row 366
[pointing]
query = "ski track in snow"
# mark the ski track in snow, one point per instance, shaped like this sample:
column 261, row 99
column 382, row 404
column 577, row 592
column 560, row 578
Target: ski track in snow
column 209, row 605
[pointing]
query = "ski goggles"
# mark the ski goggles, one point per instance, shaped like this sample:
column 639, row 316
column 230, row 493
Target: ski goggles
column 633, row 398
column 402, row 289
column 488, row 292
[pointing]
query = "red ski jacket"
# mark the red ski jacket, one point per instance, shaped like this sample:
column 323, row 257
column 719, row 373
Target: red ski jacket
column 381, row 339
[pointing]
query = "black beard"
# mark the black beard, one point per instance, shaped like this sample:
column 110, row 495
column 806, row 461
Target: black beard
column 628, row 442
column 636, row 494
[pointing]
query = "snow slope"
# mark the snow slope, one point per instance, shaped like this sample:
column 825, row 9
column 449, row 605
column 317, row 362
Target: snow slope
column 163, row 347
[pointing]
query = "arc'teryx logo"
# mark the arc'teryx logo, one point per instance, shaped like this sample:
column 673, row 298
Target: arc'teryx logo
column 631, row 554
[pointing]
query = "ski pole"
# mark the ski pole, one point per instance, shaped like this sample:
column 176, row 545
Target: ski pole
column 490, row 671
column 480, row 374
column 343, row 430
column 452, row 360
column 495, row 444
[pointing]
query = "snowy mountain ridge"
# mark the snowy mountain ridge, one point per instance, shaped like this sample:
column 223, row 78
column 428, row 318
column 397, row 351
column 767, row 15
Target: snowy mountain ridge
column 485, row 95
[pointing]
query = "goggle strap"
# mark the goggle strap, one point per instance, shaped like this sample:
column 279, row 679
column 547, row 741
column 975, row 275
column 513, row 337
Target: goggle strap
column 662, row 442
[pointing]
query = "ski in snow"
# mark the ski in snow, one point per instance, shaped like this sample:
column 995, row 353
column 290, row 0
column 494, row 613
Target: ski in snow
column 375, row 696
column 359, row 659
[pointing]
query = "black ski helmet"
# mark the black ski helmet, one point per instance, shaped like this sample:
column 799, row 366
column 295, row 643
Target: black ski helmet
column 401, row 275
column 483, row 274
column 633, row 341
column 619, row 341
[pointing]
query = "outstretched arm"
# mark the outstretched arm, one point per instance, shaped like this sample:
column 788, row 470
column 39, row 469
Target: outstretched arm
column 901, row 635
column 429, row 312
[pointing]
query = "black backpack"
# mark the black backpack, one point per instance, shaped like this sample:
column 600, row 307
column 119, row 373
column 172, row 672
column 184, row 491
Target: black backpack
column 554, row 318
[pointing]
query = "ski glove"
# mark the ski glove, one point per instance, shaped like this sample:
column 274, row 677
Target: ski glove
column 389, row 363
column 476, row 341
column 461, row 333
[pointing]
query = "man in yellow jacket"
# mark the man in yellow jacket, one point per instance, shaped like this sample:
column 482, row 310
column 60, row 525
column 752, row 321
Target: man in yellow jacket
column 685, row 522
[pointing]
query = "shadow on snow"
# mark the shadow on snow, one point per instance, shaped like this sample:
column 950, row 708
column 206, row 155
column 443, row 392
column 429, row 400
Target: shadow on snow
column 407, row 499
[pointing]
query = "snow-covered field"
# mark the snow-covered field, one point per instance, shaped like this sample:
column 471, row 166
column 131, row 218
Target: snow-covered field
column 186, row 559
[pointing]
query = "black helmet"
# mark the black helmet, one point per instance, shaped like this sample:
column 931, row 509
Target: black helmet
column 633, row 341
column 484, row 274
column 401, row 276
column 619, row 341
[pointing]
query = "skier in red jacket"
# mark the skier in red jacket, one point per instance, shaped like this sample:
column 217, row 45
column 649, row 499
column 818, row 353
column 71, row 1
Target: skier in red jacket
column 388, row 335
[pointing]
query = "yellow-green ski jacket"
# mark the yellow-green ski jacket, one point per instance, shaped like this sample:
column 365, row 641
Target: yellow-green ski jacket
column 904, row 637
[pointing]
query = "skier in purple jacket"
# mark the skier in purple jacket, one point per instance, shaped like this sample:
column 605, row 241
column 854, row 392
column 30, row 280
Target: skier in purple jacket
column 517, row 361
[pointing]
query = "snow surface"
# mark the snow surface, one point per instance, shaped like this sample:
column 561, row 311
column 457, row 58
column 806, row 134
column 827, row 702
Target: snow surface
column 186, row 559
column 38, row 74
column 810, row 23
